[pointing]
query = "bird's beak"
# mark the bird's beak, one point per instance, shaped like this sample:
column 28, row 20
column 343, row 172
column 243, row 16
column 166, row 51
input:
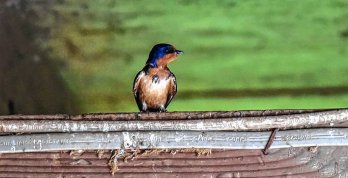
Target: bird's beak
column 179, row 52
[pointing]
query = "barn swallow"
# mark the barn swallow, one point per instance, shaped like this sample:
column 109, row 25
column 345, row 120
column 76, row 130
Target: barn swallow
column 155, row 86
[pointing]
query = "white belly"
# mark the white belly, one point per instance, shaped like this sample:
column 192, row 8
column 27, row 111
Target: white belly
column 155, row 95
column 159, row 87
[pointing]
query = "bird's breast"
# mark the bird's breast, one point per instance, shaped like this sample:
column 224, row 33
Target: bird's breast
column 154, row 91
column 155, row 85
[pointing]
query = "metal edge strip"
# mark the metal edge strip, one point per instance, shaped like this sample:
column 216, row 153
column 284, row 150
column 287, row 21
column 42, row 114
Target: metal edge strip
column 171, row 140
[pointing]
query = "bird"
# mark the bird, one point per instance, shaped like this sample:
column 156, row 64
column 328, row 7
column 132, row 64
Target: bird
column 154, row 87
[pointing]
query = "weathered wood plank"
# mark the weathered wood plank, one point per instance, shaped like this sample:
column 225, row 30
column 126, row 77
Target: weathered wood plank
column 334, row 118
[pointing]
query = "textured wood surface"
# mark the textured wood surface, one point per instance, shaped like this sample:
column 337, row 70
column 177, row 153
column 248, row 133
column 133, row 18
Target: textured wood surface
column 322, row 161
column 294, row 162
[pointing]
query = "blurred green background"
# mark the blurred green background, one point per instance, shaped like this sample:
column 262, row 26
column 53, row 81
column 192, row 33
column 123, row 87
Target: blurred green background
column 239, row 54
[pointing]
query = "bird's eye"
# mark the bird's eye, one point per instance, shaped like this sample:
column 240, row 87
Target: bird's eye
column 168, row 51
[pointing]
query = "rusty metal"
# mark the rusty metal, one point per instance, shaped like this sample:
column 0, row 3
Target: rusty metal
column 270, row 141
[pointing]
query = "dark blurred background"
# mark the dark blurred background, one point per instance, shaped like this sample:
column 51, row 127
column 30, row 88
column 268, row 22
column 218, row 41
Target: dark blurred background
column 59, row 56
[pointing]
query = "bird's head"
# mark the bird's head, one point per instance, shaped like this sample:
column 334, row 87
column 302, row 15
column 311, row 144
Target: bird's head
column 162, row 54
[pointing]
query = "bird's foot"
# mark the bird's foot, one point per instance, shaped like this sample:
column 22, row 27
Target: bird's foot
column 162, row 109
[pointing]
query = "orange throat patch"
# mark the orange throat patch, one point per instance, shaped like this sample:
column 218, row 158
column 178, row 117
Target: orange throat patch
column 166, row 59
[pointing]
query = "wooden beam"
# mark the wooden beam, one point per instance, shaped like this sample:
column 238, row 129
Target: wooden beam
column 217, row 121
